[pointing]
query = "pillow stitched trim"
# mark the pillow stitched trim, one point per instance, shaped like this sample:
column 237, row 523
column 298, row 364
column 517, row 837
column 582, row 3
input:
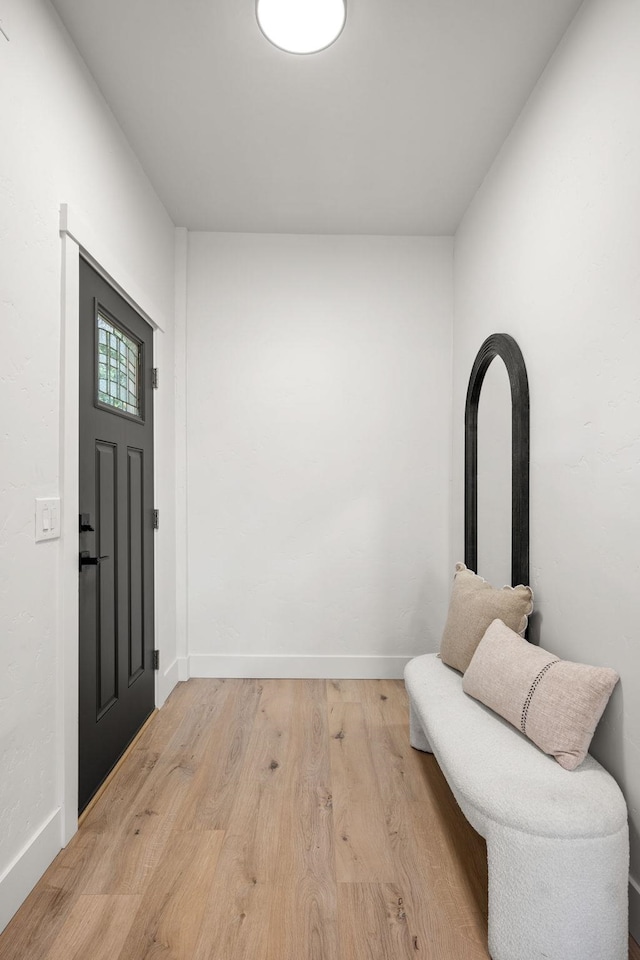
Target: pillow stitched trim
column 532, row 690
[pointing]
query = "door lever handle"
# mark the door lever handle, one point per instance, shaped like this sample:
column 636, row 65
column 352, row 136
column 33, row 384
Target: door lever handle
column 86, row 560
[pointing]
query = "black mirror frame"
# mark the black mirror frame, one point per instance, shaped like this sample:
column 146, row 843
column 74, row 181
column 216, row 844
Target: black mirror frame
column 504, row 346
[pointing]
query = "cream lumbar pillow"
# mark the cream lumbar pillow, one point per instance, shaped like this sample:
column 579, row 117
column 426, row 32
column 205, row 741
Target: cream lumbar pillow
column 474, row 605
column 556, row 703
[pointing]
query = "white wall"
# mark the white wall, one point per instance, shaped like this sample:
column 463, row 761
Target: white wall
column 318, row 452
column 550, row 252
column 59, row 144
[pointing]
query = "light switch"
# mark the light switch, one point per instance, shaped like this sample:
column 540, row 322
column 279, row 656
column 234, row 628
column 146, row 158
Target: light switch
column 47, row 519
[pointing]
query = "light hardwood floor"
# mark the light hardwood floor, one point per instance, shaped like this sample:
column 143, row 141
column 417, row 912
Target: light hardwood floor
column 267, row 820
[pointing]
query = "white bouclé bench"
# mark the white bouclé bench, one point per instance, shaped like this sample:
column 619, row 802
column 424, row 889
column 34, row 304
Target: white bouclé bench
column 557, row 840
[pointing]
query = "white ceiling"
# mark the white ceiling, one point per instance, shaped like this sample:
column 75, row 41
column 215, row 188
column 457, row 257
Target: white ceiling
column 389, row 131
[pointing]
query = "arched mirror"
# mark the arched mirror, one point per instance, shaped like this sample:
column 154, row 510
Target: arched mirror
column 500, row 423
column 494, row 475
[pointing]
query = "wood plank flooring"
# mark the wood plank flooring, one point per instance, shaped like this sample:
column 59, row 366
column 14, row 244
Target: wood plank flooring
column 267, row 820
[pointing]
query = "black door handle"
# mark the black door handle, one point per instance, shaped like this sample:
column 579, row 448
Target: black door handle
column 86, row 560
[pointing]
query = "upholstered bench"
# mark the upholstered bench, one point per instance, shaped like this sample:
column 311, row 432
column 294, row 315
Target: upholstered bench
column 557, row 840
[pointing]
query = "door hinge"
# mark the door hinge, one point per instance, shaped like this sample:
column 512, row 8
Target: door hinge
column 156, row 519
column 154, row 378
column 156, row 659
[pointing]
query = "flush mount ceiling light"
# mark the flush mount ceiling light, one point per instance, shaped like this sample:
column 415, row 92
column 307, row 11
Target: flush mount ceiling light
column 301, row 26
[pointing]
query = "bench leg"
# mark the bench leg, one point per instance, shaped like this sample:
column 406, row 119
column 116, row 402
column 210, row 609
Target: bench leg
column 417, row 736
column 565, row 899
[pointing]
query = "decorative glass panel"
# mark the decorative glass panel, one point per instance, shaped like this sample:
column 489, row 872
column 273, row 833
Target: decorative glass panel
column 119, row 379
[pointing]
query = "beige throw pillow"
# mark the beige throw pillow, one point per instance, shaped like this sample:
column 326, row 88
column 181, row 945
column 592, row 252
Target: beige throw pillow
column 555, row 703
column 474, row 604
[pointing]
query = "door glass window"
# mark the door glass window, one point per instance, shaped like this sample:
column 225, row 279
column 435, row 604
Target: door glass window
column 119, row 378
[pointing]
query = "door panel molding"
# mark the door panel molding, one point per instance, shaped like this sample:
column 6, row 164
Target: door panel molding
column 135, row 506
column 106, row 522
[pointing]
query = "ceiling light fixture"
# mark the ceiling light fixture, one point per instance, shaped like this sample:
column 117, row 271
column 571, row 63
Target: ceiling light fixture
column 301, row 26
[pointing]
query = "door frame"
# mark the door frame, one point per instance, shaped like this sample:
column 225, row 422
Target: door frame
column 79, row 238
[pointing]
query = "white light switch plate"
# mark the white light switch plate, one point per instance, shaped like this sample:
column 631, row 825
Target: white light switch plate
column 47, row 519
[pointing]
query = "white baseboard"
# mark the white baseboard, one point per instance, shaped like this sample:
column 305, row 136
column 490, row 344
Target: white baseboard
column 297, row 667
column 21, row 876
column 166, row 682
column 183, row 668
column 634, row 909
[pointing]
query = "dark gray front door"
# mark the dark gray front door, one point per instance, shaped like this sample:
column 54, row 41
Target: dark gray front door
column 116, row 528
